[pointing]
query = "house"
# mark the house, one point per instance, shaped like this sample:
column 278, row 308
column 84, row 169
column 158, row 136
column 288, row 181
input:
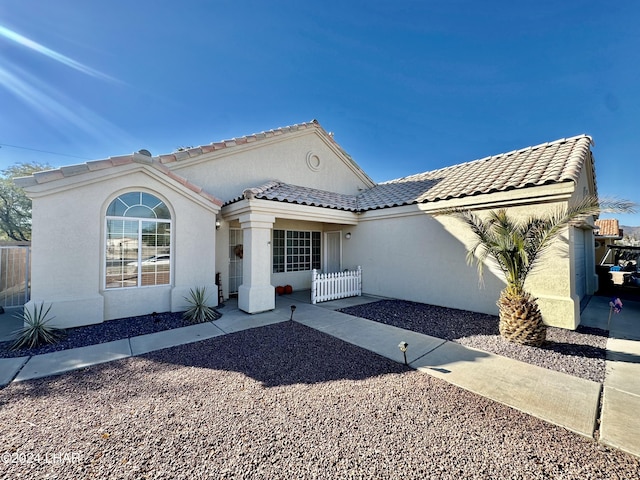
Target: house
column 265, row 209
column 606, row 233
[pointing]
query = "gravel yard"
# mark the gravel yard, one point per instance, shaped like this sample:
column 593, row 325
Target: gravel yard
column 104, row 332
column 580, row 353
column 282, row 401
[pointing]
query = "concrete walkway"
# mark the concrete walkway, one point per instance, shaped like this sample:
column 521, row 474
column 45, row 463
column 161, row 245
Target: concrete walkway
column 620, row 420
column 558, row 398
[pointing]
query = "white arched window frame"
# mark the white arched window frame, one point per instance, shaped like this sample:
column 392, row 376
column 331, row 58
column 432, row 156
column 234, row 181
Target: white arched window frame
column 138, row 242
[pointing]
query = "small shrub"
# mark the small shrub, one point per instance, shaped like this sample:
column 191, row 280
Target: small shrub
column 199, row 311
column 36, row 330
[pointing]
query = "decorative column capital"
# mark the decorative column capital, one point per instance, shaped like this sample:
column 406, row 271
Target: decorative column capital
column 257, row 220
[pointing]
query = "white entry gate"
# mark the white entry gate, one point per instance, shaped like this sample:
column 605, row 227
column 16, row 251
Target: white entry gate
column 331, row 286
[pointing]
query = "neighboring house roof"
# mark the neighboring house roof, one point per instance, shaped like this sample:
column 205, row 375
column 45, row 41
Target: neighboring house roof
column 608, row 228
column 549, row 163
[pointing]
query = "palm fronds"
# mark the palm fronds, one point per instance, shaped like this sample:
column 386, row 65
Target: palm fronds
column 516, row 245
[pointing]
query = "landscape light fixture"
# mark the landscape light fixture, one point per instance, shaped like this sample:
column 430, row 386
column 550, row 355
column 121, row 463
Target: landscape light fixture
column 403, row 348
column 293, row 309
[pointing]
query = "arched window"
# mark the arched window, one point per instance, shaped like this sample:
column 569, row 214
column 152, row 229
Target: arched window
column 138, row 241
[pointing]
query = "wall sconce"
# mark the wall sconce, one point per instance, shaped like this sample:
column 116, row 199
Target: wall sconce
column 347, row 235
column 217, row 224
column 403, row 348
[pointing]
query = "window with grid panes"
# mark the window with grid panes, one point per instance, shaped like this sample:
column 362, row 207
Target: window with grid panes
column 295, row 250
column 138, row 241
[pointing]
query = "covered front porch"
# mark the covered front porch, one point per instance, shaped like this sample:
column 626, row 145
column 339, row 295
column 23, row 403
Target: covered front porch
column 267, row 244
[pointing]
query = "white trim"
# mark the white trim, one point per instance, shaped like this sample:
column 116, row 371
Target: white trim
column 103, row 269
column 288, row 211
column 101, row 176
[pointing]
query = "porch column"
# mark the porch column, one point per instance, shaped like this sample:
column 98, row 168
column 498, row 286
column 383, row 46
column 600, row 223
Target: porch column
column 256, row 294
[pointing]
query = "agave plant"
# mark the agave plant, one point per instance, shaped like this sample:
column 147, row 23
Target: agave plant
column 36, row 330
column 516, row 246
column 199, row 311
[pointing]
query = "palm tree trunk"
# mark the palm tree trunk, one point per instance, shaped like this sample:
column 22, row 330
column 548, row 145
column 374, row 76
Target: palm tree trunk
column 520, row 318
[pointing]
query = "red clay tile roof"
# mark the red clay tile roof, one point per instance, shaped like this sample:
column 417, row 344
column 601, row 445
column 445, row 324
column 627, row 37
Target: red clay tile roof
column 160, row 161
column 73, row 170
column 555, row 162
column 608, row 228
column 549, row 163
column 255, row 137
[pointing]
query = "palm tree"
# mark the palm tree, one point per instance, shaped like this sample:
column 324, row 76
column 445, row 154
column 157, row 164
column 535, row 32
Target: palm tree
column 516, row 246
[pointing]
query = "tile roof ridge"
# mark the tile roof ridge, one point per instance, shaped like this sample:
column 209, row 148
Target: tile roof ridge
column 97, row 165
column 299, row 194
column 575, row 138
column 235, row 141
column 251, row 192
column 532, row 147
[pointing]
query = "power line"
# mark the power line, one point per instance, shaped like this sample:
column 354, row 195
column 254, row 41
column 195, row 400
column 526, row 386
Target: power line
column 43, row 151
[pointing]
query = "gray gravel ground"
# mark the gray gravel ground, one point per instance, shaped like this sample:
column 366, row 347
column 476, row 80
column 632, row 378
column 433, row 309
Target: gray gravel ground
column 281, row 401
column 105, row 332
column 580, row 353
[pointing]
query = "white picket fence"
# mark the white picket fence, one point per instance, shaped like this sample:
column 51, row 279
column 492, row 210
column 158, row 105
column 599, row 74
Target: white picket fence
column 331, row 286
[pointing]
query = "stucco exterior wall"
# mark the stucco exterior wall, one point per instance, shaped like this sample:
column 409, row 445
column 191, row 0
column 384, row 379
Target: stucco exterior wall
column 414, row 256
column 300, row 159
column 405, row 252
column 420, row 258
column 69, row 245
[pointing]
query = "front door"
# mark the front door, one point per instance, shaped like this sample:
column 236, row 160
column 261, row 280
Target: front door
column 332, row 252
column 235, row 260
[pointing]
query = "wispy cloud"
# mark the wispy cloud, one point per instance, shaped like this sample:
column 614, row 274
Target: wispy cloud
column 54, row 105
column 60, row 110
column 39, row 48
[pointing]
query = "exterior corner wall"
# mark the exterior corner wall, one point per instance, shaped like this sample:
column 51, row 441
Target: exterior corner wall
column 68, row 248
column 561, row 312
column 420, row 258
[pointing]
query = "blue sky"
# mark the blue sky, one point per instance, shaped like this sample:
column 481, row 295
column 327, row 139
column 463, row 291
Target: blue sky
column 406, row 86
